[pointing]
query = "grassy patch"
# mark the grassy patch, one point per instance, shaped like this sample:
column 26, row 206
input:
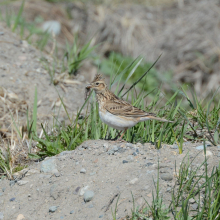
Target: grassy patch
column 191, row 183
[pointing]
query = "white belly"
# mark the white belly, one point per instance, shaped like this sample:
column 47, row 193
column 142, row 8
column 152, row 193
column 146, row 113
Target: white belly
column 116, row 121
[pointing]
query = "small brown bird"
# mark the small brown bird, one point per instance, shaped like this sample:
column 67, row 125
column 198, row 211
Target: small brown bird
column 116, row 112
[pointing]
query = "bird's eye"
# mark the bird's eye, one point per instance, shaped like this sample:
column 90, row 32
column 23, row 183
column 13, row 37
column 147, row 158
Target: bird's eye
column 97, row 84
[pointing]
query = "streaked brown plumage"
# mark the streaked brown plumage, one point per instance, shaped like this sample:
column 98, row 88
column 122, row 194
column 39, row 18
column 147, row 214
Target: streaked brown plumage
column 116, row 112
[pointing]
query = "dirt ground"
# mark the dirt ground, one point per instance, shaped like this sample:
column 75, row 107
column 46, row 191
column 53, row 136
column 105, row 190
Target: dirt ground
column 86, row 183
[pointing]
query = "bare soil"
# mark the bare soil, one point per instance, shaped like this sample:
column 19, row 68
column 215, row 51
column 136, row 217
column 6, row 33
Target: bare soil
column 112, row 171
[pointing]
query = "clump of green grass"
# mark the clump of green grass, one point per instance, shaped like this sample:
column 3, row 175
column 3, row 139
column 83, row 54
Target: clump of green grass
column 26, row 30
column 174, row 109
column 190, row 183
column 117, row 63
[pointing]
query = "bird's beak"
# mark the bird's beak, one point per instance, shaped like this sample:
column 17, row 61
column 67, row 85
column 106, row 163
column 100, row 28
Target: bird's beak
column 89, row 86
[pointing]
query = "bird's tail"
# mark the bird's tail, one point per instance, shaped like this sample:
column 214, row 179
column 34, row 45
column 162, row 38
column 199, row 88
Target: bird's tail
column 150, row 117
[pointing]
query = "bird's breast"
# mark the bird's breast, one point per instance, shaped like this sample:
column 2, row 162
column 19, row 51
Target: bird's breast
column 115, row 121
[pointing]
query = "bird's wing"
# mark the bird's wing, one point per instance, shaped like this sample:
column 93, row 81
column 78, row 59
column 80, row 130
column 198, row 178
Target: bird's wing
column 123, row 108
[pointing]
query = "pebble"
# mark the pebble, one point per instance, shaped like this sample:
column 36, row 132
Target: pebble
column 218, row 154
column 12, row 183
column 83, row 170
column 1, row 33
column 53, row 208
column 52, row 27
column 54, row 193
column 134, row 154
column 174, row 147
column 169, row 189
column 125, row 161
column 132, row 182
column 129, row 145
column 1, row 215
column 22, row 182
column 191, row 201
column 166, row 176
column 200, row 147
column 101, row 216
column 88, row 196
column 12, row 199
column 20, row 217
column 49, row 166
column 208, row 154
column 91, row 206
column 82, row 191
column 218, row 147
column 130, row 158
column 149, row 164
column 194, row 206
column 71, row 212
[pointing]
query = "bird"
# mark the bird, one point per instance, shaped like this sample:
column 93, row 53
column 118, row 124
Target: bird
column 115, row 112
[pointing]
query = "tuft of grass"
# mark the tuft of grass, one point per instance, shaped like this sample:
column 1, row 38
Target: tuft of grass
column 27, row 30
column 190, row 183
column 75, row 55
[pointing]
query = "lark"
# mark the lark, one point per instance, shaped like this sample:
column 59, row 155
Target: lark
column 116, row 112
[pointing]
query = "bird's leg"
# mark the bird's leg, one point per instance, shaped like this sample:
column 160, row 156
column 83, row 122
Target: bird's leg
column 118, row 133
column 122, row 134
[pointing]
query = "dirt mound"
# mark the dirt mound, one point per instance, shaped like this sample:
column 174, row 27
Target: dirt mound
column 86, row 183
column 21, row 71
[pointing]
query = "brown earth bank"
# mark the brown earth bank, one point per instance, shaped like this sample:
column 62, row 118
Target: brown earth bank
column 87, row 183
column 185, row 32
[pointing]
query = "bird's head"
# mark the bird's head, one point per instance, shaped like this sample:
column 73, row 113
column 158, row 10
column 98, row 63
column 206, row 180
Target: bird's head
column 98, row 84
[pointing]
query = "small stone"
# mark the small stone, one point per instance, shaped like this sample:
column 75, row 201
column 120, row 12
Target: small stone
column 12, row 199
column 208, row 143
column 82, row 191
column 19, row 217
column 191, row 201
column 22, row 182
column 83, row 170
column 88, row 196
column 194, row 206
column 115, row 148
column 200, row 147
column 218, row 147
column 209, row 154
column 149, row 164
column 169, row 189
column 166, row 176
column 1, row 215
column 71, row 212
column 218, row 154
column 130, row 145
column 53, row 208
column 49, row 166
column 52, row 27
column 92, row 174
column 91, row 206
column 1, row 33
column 130, row 158
column 174, row 146
column 134, row 154
column 101, row 216
column 105, row 146
column 125, row 161
column 54, row 193
column 57, row 174
column 132, row 182
column 12, row 183
column 110, row 152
